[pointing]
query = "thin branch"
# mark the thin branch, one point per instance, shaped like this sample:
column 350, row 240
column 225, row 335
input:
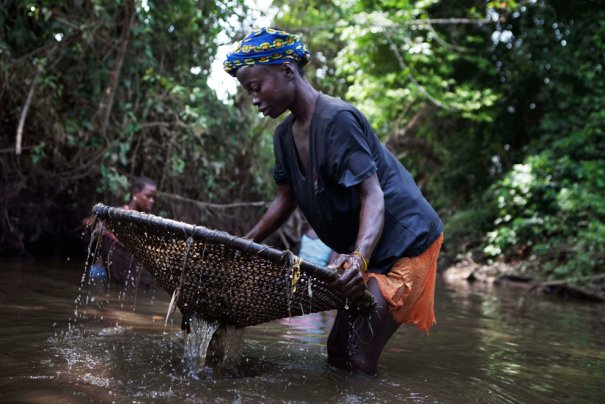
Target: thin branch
column 448, row 21
column 24, row 111
column 167, row 158
column 134, row 154
column 163, row 124
column 12, row 149
column 206, row 205
column 106, row 103
column 413, row 23
column 446, row 44
column 420, row 87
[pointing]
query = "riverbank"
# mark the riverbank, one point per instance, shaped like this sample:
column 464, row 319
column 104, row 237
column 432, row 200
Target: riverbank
column 517, row 275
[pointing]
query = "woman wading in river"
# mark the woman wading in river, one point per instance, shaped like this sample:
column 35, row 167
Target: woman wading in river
column 355, row 194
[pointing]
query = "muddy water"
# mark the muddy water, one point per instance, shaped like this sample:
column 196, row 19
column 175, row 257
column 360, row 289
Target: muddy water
column 490, row 345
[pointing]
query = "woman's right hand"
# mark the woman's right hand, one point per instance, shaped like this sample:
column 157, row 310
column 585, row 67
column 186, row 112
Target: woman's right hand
column 351, row 281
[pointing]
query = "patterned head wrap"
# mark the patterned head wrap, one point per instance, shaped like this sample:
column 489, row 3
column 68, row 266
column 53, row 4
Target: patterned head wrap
column 266, row 46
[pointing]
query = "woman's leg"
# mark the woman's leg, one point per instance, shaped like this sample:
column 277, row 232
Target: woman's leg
column 338, row 340
column 370, row 333
column 356, row 340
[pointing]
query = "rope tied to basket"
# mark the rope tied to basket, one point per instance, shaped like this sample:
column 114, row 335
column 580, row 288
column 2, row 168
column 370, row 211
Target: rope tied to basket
column 295, row 272
column 175, row 295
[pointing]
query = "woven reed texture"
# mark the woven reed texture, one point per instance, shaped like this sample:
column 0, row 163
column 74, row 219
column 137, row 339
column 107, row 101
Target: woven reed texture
column 121, row 265
column 224, row 278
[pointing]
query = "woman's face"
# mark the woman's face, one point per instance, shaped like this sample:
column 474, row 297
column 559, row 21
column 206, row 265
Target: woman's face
column 145, row 198
column 269, row 86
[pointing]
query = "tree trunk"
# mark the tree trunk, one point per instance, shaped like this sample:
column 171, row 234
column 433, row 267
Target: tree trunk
column 101, row 117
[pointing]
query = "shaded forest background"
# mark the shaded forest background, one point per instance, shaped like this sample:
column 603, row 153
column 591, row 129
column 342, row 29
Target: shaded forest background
column 496, row 107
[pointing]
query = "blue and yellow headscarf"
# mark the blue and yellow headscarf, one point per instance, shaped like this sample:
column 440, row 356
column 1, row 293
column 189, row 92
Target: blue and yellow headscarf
column 266, row 46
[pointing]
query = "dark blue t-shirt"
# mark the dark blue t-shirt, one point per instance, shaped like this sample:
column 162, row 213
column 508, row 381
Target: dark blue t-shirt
column 343, row 152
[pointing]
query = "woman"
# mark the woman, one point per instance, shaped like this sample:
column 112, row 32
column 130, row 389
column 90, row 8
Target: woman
column 355, row 194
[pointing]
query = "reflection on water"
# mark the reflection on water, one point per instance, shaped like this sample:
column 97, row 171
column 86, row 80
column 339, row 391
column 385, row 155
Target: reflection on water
column 490, row 345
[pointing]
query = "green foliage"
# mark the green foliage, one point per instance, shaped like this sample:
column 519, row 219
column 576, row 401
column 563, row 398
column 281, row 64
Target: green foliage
column 466, row 228
column 512, row 155
column 552, row 204
column 120, row 89
column 553, row 207
column 497, row 108
column 390, row 61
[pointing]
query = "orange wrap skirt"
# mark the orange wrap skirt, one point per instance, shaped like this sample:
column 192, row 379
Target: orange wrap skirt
column 409, row 288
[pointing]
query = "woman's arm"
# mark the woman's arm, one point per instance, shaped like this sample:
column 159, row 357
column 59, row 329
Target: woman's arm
column 371, row 222
column 371, row 216
column 280, row 209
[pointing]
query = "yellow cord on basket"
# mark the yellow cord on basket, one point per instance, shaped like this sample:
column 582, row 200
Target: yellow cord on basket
column 296, row 273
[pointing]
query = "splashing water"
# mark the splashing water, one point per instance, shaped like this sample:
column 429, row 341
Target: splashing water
column 84, row 296
column 211, row 344
column 196, row 345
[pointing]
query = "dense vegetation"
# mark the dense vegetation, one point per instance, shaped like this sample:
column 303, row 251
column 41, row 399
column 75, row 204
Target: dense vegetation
column 119, row 89
column 497, row 107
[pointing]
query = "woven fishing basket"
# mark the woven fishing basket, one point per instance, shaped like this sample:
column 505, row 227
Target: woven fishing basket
column 220, row 277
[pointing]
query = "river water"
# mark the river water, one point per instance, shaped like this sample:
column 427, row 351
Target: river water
column 491, row 345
